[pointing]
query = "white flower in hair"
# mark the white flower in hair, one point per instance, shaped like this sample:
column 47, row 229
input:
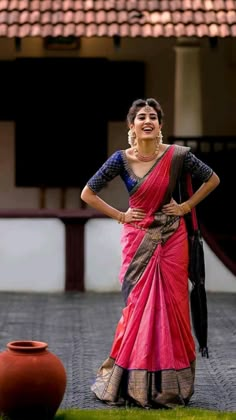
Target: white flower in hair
column 131, row 137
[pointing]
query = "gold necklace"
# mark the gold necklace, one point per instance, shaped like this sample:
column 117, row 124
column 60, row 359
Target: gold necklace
column 147, row 158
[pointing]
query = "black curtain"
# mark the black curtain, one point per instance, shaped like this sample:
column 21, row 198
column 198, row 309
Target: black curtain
column 63, row 106
column 61, row 120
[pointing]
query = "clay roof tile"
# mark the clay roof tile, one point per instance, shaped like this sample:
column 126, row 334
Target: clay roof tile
column 143, row 18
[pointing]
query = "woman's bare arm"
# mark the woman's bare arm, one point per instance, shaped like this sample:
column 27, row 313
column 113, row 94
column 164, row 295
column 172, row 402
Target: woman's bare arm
column 205, row 189
column 93, row 200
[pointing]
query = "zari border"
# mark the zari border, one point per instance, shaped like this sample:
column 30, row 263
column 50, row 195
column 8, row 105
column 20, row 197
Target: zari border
column 166, row 388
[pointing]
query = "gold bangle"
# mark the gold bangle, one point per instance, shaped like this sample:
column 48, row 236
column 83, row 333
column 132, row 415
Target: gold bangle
column 121, row 218
column 185, row 207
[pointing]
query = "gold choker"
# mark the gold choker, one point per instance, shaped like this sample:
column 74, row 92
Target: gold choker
column 147, row 158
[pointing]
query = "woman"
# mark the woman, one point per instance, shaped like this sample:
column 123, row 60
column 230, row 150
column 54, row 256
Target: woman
column 152, row 359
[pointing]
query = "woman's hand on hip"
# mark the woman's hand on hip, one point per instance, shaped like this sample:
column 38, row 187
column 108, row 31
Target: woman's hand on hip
column 134, row 215
column 175, row 209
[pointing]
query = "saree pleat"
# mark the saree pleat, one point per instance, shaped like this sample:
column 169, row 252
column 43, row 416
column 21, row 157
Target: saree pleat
column 151, row 362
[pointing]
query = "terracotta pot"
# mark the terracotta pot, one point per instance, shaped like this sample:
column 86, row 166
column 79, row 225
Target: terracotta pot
column 32, row 381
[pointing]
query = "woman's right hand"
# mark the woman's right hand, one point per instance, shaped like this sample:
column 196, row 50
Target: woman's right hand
column 134, row 215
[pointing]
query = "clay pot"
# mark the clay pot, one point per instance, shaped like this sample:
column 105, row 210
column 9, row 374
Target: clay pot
column 32, row 381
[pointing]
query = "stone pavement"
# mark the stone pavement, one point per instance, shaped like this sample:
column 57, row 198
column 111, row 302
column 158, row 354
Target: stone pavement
column 79, row 328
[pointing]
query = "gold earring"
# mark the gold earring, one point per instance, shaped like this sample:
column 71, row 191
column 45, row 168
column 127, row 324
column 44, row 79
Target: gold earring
column 160, row 136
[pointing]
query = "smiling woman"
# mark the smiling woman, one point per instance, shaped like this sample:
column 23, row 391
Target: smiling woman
column 152, row 359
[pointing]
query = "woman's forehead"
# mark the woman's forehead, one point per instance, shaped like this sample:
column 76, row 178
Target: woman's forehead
column 147, row 110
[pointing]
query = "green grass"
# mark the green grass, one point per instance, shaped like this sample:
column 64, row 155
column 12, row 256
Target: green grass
column 141, row 414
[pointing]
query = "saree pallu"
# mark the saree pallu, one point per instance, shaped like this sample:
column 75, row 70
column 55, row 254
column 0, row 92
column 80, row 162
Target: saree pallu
column 152, row 359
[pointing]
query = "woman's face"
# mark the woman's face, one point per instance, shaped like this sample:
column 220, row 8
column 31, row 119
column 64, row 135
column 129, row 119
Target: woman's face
column 146, row 124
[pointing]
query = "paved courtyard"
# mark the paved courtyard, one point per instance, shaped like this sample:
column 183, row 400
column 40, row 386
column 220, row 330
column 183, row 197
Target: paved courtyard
column 79, row 328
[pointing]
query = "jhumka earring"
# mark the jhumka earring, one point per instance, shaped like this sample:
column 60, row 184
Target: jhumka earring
column 131, row 137
column 160, row 136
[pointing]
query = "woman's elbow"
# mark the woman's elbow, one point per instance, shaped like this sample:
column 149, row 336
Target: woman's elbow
column 86, row 194
column 214, row 180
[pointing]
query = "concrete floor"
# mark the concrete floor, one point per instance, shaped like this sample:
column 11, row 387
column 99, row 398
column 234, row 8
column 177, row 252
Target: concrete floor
column 79, row 328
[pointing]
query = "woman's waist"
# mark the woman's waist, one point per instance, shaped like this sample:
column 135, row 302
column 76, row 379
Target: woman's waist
column 157, row 224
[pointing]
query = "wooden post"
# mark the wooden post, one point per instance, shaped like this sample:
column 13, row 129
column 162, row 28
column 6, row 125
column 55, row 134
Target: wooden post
column 42, row 197
column 63, row 198
column 74, row 253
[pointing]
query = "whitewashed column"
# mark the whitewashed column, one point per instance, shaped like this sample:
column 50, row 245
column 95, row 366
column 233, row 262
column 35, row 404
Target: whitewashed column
column 187, row 101
column 188, row 123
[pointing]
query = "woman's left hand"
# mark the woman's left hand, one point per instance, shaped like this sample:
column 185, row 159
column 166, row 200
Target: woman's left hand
column 173, row 209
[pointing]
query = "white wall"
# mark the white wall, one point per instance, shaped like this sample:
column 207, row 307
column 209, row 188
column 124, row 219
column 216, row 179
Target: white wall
column 32, row 255
column 103, row 257
column 218, row 277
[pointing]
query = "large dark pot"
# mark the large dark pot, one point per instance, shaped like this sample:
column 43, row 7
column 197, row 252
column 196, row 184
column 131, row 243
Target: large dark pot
column 32, row 381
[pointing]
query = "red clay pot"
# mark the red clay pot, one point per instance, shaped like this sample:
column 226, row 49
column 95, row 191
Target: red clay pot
column 32, row 381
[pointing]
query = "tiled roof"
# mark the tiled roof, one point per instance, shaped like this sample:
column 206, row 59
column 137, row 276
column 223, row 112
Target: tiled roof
column 125, row 18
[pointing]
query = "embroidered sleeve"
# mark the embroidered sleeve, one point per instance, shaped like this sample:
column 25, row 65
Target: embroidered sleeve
column 199, row 170
column 109, row 170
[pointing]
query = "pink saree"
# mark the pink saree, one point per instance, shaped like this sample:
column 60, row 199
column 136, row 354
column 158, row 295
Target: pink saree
column 152, row 359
